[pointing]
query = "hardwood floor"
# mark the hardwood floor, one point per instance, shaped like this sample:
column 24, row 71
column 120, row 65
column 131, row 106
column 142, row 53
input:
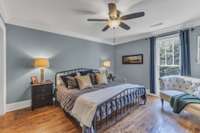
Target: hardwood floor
column 146, row 119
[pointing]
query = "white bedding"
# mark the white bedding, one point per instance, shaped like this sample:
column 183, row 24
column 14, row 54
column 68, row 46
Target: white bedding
column 85, row 106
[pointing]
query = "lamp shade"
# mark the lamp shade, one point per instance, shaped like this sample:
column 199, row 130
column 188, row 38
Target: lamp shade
column 41, row 62
column 106, row 63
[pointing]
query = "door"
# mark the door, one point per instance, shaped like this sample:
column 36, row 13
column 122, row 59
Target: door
column 168, row 57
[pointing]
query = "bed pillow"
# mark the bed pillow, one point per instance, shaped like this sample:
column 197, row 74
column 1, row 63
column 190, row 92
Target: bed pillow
column 84, row 82
column 101, row 78
column 70, row 81
column 93, row 78
column 92, row 75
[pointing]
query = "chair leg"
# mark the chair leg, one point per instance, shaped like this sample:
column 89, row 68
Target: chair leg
column 162, row 102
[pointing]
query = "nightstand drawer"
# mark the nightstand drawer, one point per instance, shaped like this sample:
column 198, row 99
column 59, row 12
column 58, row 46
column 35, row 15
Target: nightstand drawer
column 41, row 96
column 42, row 89
column 40, row 101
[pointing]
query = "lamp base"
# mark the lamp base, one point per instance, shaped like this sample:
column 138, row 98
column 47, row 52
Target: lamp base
column 42, row 75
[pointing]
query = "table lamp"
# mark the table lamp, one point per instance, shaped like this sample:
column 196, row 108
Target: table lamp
column 41, row 63
column 106, row 64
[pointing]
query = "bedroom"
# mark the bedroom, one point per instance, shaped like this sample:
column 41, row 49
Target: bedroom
column 59, row 33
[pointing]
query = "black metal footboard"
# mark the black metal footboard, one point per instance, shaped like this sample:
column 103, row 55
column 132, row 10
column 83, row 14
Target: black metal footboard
column 114, row 109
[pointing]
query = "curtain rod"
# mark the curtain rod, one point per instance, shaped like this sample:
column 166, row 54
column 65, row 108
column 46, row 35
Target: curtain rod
column 174, row 32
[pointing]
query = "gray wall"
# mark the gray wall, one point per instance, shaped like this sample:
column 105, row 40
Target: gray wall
column 138, row 74
column 24, row 44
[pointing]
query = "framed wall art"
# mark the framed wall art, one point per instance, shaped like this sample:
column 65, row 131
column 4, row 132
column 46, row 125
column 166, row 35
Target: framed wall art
column 132, row 59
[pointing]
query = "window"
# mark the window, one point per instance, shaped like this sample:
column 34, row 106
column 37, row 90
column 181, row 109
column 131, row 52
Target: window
column 198, row 50
column 169, row 55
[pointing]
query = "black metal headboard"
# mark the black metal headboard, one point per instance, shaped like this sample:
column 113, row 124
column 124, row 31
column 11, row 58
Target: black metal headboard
column 68, row 72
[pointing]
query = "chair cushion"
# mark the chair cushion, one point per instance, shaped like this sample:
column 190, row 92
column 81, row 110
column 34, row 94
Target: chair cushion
column 167, row 94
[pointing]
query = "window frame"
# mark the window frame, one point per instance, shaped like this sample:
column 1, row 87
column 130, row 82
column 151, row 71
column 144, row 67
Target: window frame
column 167, row 38
column 198, row 50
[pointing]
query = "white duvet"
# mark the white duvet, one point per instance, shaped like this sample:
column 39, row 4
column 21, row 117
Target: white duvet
column 85, row 106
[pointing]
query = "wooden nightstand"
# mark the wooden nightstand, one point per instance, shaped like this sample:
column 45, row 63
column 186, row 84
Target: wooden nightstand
column 42, row 94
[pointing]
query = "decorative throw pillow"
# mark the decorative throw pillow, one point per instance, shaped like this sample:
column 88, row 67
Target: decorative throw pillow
column 101, row 78
column 84, row 82
column 69, row 80
column 72, row 83
column 197, row 92
column 93, row 78
column 92, row 75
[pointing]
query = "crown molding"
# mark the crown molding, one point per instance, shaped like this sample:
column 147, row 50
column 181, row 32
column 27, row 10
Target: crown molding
column 186, row 25
column 3, row 11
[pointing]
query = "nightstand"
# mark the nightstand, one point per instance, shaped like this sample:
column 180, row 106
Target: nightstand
column 42, row 94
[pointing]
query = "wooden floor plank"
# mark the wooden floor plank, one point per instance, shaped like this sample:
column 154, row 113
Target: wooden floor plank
column 145, row 119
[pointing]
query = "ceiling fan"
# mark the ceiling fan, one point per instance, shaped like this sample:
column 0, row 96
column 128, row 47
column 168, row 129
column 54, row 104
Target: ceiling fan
column 115, row 20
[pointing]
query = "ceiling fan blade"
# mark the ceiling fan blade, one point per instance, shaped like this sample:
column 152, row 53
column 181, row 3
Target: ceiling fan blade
column 97, row 19
column 133, row 15
column 113, row 13
column 124, row 26
column 105, row 28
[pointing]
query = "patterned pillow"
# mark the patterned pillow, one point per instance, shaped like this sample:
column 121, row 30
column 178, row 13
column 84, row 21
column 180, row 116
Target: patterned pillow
column 101, row 78
column 84, row 82
column 197, row 92
column 72, row 83
column 92, row 75
column 93, row 78
column 69, row 80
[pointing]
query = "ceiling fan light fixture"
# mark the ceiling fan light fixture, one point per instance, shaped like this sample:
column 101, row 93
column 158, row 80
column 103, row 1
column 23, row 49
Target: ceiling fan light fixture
column 114, row 23
column 115, row 19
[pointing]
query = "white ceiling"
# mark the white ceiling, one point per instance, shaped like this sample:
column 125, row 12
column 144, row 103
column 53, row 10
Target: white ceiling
column 69, row 17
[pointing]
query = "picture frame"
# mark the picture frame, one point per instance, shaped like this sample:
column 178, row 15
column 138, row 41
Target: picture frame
column 132, row 59
column 34, row 80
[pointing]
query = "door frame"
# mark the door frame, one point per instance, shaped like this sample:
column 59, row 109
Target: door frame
column 2, row 67
column 157, row 67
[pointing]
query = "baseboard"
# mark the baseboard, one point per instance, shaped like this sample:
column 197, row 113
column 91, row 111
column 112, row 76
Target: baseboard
column 18, row 105
column 27, row 103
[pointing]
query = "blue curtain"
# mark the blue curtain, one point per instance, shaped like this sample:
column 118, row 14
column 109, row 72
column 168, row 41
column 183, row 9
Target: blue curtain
column 185, row 53
column 152, row 64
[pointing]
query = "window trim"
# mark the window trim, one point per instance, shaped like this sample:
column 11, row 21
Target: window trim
column 167, row 38
column 198, row 50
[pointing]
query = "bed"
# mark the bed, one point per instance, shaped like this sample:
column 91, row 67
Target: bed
column 98, row 108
